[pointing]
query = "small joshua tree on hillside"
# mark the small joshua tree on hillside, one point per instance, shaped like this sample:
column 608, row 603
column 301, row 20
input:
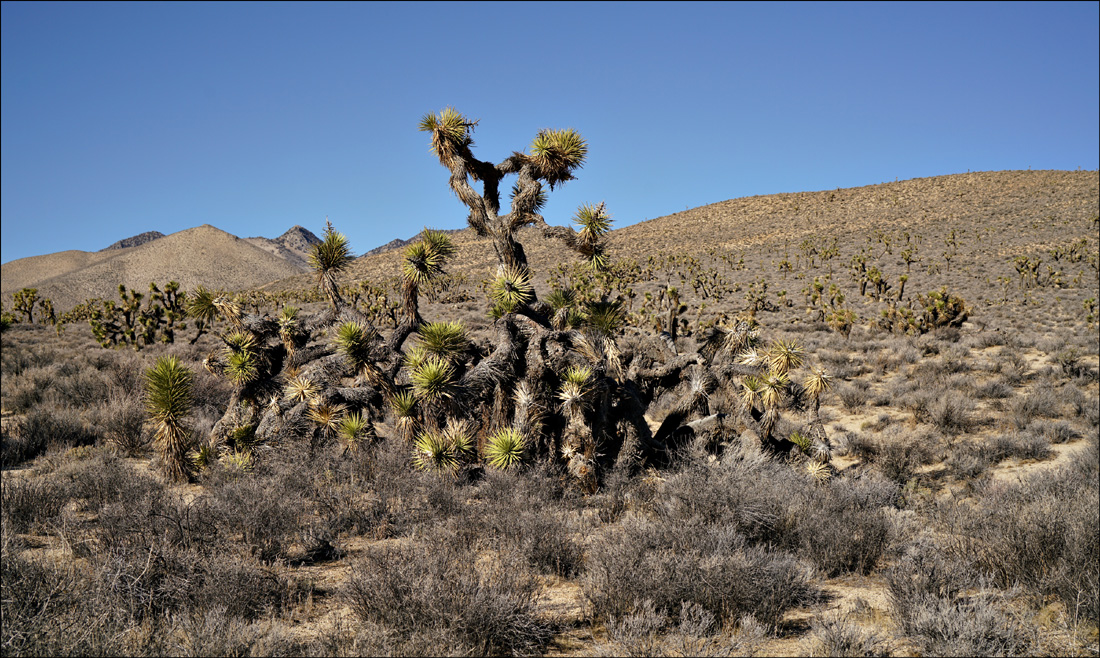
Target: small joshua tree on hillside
column 329, row 258
column 168, row 400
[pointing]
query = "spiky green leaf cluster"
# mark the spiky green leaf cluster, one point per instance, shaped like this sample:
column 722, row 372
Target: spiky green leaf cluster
column 450, row 134
column 505, row 449
column 332, row 254
column 446, row 340
column 434, row 452
column 784, row 356
column 168, row 386
column 511, row 288
column 241, row 368
column 556, row 153
column 605, row 317
column 817, row 382
column 200, row 304
column 593, row 223
column 327, row 416
column 424, row 259
column 301, row 389
column 434, row 380
column 354, row 341
column 354, row 428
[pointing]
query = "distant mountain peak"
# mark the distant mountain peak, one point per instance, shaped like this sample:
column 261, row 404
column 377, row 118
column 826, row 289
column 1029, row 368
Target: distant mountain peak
column 298, row 238
column 135, row 241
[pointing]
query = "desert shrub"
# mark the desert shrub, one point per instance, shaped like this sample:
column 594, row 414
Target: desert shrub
column 213, row 632
column 1086, row 407
column 78, row 387
column 650, row 632
column 29, row 503
column 103, row 479
column 1041, row 402
column 270, row 509
column 1042, row 533
column 672, row 562
column 25, row 391
column 973, row 626
column 1022, row 445
column 747, row 491
column 901, row 451
column 853, row 397
column 951, row 414
column 842, row 527
column 120, row 421
column 835, row 635
column 415, row 589
column 36, row 596
column 995, row 389
column 926, row 569
column 43, row 428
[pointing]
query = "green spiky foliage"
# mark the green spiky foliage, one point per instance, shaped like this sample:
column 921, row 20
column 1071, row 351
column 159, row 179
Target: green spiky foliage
column 168, row 389
column 593, row 224
column 510, row 289
column 434, row 452
column 459, row 434
column 355, row 428
column 328, row 417
column 434, row 381
column 290, row 329
column 816, row 384
column 446, row 340
column 329, row 258
column 241, row 364
column 575, row 386
column 200, row 306
column 803, row 442
column 605, row 317
column 784, row 356
column 451, row 135
column 555, row 154
column 203, row 455
column 752, row 390
column 774, row 385
column 354, row 341
column 505, row 449
column 301, row 389
column 422, row 264
column 404, row 405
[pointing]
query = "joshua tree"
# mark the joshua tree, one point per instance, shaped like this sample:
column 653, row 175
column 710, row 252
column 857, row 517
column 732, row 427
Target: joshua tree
column 330, row 257
column 24, row 301
column 565, row 382
column 168, row 400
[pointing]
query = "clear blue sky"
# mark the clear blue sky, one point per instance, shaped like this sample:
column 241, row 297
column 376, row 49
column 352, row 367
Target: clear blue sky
column 124, row 118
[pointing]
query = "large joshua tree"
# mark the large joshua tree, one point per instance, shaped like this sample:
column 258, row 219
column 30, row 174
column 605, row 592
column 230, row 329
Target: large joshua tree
column 561, row 382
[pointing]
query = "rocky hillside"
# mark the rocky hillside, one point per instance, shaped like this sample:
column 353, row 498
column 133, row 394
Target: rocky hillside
column 203, row 255
column 135, row 241
column 293, row 246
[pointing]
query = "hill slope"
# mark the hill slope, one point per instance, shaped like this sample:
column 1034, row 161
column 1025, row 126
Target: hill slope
column 997, row 214
column 203, row 255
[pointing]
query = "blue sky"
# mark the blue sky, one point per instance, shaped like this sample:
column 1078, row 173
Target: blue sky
column 124, row 118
